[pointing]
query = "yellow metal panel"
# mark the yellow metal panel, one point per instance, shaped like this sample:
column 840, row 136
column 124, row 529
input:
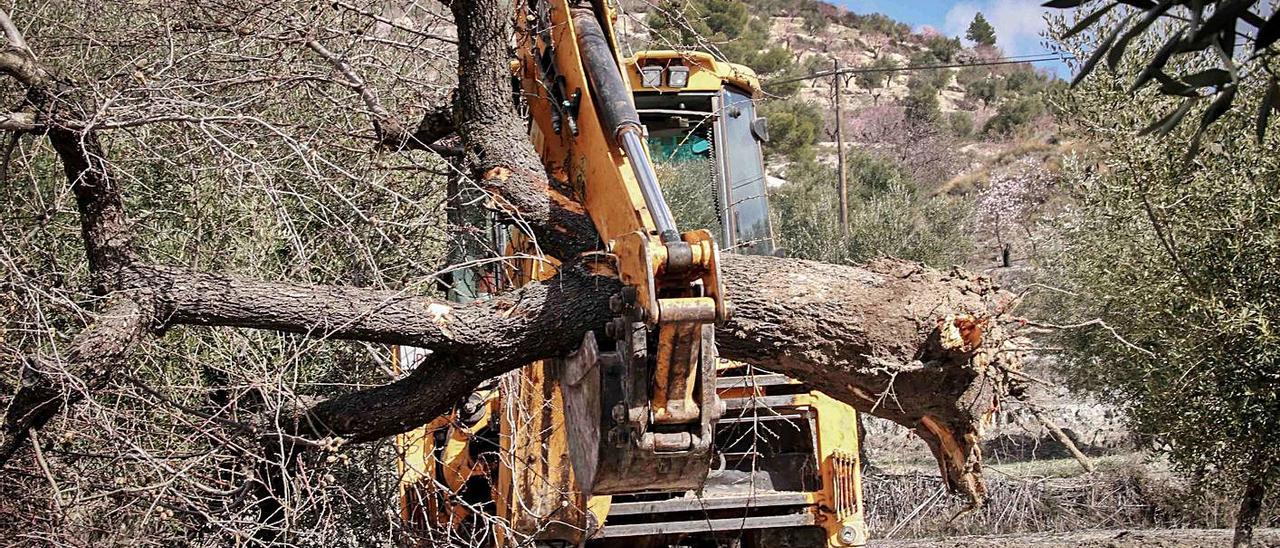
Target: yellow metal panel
column 705, row 72
column 537, row 492
column 595, row 168
column 841, row 476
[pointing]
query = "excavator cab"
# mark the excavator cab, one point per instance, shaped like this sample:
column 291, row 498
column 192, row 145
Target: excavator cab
column 702, row 125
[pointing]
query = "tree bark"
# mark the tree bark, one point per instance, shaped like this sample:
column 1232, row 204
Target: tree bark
column 1251, row 502
column 47, row 384
column 1061, row 436
column 496, row 140
column 894, row 339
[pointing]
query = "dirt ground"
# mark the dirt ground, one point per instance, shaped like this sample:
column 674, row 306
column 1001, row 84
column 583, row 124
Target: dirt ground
column 1157, row 538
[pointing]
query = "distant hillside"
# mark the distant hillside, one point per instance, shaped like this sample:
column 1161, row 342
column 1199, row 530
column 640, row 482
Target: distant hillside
column 973, row 107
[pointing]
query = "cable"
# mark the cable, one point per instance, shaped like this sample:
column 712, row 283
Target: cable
column 1033, row 58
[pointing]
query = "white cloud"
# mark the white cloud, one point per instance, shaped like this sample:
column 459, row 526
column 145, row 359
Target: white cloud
column 958, row 18
column 1018, row 23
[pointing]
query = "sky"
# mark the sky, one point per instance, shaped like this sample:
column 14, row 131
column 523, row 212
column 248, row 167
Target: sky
column 1018, row 23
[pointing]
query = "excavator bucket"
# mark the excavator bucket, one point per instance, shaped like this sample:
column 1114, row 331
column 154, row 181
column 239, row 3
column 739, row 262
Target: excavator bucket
column 614, row 447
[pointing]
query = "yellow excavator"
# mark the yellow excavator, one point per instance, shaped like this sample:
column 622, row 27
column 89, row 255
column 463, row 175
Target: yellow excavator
column 642, row 437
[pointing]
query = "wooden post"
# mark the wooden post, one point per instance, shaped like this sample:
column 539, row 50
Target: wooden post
column 843, row 189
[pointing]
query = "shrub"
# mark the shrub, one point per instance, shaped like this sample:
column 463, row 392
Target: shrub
column 987, row 89
column 793, row 128
column 960, row 124
column 945, row 49
column 1013, row 115
column 921, row 103
column 887, row 215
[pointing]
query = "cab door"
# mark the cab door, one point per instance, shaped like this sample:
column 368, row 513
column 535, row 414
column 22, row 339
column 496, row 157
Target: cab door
column 742, row 184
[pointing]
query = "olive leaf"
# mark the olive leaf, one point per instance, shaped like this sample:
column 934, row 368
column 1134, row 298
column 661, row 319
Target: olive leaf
column 1088, row 21
column 1207, row 78
column 1064, row 4
column 1169, row 121
column 1158, row 61
column 1100, row 51
column 1117, row 51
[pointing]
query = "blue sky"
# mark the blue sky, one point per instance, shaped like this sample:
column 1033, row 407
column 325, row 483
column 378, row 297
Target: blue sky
column 1018, row 23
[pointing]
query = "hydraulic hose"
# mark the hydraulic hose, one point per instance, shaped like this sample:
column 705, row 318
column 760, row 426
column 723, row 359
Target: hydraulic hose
column 618, row 114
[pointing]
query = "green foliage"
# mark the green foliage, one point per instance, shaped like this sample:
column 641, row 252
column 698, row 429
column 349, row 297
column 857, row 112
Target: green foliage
column 815, row 63
column 980, row 85
column 722, row 18
column 1014, row 114
column 1179, row 259
column 935, row 78
column 921, row 104
column 814, row 21
column 980, row 31
column 772, row 60
column 729, row 28
column 960, row 124
column 887, row 216
column 943, row 48
column 1214, row 38
column 876, row 23
column 794, row 125
column 1025, row 80
column 876, row 80
column 968, row 75
column 689, row 187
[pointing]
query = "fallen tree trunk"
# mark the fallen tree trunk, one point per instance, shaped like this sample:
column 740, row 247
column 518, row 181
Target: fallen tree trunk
column 894, row 339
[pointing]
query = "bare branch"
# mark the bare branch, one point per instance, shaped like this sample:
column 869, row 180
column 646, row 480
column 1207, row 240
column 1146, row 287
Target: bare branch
column 18, row 121
column 1096, row 322
column 436, row 124
column 394, row 24
column 95, row 352
column 11, row 33
column 383, row 121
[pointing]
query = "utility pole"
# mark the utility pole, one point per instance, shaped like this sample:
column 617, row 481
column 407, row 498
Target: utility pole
column 844, row 181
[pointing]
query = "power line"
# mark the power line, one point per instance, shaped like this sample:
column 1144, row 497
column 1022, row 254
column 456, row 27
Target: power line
column 1013, row 60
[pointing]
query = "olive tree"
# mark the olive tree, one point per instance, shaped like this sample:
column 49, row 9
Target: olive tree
column 1171, row 262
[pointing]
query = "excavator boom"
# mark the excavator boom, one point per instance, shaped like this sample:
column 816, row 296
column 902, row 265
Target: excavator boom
column 641, row 405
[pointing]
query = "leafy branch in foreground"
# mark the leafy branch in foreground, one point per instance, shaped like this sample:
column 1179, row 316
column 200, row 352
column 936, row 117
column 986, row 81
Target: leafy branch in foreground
column 1236, row 37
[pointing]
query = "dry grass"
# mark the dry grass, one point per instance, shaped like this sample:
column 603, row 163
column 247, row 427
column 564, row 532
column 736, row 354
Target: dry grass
column 1044, row 496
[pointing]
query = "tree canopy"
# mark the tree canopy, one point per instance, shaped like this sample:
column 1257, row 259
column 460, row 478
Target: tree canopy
column 980, row 31
column 1181, row 310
